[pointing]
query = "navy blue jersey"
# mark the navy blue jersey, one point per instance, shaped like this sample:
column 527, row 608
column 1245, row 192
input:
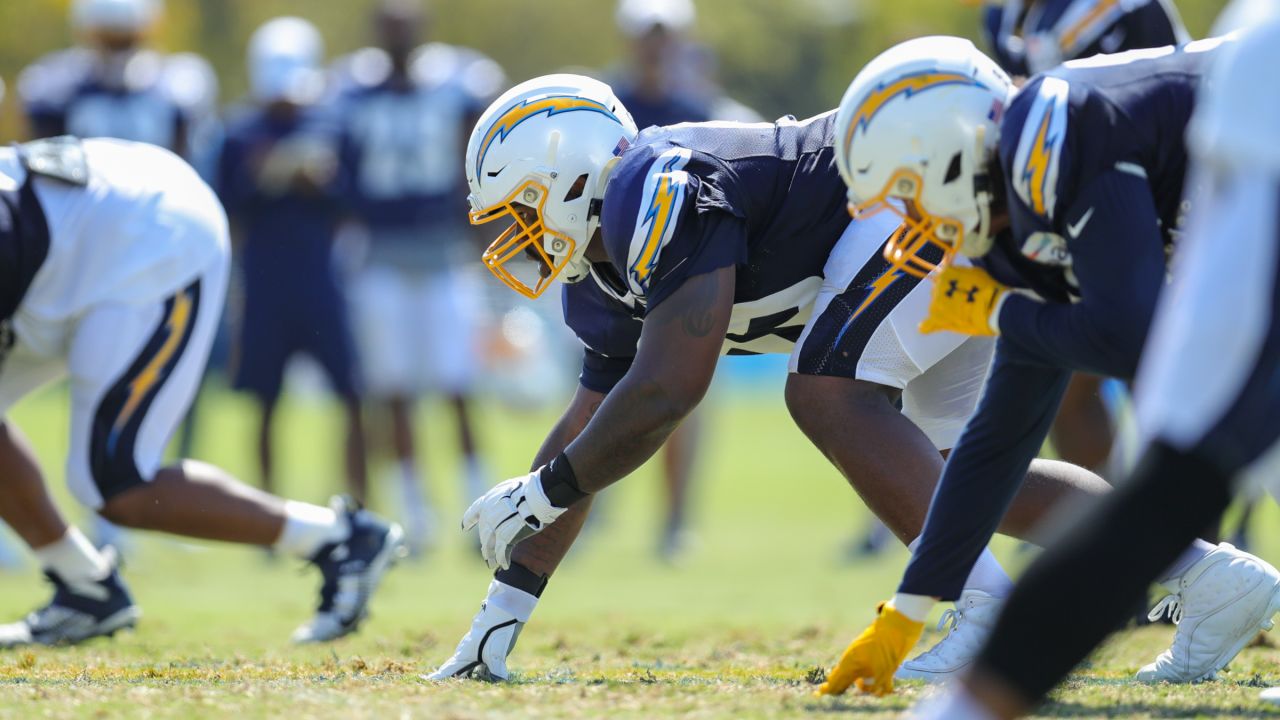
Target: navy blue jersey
column 1094, row 165
column 24, row 245
column 1094, row 162
column 406, row 137
column 160, row 100
column 1033, row 36
column 690, row 199
column 286, row 232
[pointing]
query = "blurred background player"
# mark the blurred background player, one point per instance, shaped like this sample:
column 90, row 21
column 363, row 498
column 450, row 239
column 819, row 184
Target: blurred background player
column 279, row 178
column 114, row 85
column 647, row 84
column 406, row 111
column 1031, row 36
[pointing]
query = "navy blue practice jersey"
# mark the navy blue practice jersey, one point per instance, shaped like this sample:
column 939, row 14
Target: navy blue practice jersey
column 689, row 199
column 157, row 99
column 1032, row 36
column 405, row 138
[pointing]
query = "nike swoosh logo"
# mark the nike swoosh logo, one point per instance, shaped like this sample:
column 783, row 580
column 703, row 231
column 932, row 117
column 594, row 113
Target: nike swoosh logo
column 1074, row 230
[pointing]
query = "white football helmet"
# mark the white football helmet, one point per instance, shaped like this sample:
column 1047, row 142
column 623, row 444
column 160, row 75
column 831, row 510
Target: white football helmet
column 917, row 132
column 539, row 157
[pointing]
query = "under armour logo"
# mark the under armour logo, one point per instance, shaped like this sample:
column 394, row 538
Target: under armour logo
column 953, row 286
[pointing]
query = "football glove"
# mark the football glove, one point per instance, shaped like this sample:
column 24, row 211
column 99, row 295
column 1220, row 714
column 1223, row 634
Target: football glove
column 482, row 652
column 507, row 514
column 963, row 300
column 874, row 656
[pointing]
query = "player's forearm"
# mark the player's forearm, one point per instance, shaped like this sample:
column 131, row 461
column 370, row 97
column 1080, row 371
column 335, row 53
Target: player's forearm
column 581, row 408
column 1075, row 337
column 633, row 422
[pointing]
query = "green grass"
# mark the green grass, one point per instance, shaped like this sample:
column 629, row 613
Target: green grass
column 736, row 631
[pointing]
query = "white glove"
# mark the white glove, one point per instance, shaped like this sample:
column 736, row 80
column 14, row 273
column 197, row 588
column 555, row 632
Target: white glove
column 507, row 514
column 482, row 653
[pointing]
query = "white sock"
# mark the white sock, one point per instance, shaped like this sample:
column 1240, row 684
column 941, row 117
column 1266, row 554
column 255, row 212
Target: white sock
column 307, row 528
column 73, row 558
column 986, row 575
column 1192, row 555
column 412, row 487
column 953, row 703
column 511, row 600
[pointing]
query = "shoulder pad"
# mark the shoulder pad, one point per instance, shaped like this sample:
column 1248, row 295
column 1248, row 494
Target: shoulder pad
column 1038, row 155
column 190, row 82
column 53, row 79
column 61, row 158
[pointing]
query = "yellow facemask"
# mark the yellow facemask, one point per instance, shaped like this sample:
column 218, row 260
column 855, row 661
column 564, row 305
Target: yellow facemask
column 519, row 257
column 908, row 250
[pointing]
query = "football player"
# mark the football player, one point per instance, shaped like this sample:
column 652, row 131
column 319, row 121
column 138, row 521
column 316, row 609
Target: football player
column 1031, row 36
column 113, row 269
column 406, row 112
column 1206, row 399
column 1047, row 188
column 279, row 178
column 682, row 243
column 116, row 86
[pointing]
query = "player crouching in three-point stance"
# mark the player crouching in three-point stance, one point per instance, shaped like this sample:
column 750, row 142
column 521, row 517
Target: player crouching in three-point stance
column 1207, row 400
column 1072, row 190
column 113, row 268
column 680, row 244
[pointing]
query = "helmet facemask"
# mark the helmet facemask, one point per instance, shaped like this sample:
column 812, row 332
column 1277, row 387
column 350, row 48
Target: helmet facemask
column 528, row 255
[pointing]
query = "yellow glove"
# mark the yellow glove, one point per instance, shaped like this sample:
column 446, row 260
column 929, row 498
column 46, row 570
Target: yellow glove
column 874, row 656
column 963, row 300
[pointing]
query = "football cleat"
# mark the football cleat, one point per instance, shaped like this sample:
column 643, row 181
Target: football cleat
column 351, row 570
column 78, row 611
column 1222, row 602
column 971, row 622
column 482, row 652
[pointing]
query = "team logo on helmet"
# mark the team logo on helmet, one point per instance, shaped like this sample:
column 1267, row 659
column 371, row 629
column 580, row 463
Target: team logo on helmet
column 908, row 85
column 550, row 104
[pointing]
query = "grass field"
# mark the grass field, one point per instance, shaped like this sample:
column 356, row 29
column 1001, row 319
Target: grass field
column 740, row 630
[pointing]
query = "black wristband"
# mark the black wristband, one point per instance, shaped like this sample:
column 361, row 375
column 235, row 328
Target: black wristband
column 559, row 483
column 522, row 578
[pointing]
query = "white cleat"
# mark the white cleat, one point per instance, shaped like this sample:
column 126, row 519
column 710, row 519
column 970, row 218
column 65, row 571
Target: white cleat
column 482, row 652
column 1271, row 695
column 1222, row 602
column 971, row 622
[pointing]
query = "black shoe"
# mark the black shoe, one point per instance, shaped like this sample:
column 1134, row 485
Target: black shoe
column 77, row 612
column 352, row 570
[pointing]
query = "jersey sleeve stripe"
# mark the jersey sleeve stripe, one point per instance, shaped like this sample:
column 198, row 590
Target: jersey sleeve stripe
column 663, row 197
column 1039, row 152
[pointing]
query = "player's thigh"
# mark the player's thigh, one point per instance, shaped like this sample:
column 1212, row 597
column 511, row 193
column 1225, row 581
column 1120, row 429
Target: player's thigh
column 451, row 301
column 385, row 322
column 941, row 399
column 1207, row 382
column 134, row 370
column 865, row 318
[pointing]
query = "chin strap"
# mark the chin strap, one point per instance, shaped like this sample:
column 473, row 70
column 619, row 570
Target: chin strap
column 978, row 243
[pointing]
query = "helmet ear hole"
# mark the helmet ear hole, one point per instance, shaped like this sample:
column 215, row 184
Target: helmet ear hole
column 953, row 170
column 577, row 189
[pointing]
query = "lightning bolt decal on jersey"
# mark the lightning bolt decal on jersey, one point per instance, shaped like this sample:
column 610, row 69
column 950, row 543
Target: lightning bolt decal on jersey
column 665, row 189
column 1039, row 151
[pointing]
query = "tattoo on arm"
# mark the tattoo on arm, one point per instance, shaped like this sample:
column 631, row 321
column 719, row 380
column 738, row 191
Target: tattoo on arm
column 698, row 317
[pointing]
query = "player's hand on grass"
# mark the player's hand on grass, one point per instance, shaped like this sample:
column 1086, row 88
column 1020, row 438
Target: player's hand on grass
column 874, row 656
column 507, row 514
column 963, row 300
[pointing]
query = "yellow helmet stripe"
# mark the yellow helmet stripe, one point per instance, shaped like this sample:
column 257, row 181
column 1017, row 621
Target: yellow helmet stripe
column 906, row 85
column 551, row 105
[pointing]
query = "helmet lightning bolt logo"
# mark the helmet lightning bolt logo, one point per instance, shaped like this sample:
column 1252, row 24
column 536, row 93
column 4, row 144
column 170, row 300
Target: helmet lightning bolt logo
column 551, row 105
column 907, row 85
column 1037, row 168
